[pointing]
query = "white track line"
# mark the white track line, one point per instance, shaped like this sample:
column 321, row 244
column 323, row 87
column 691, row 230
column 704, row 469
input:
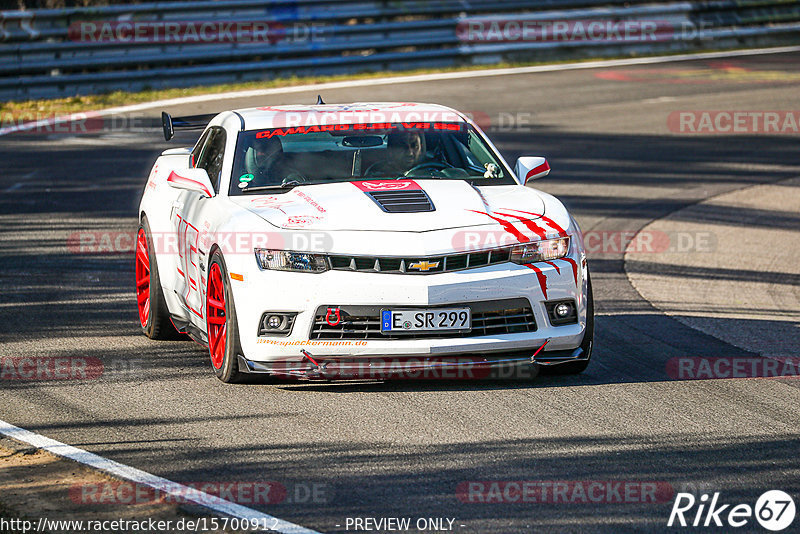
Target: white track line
column 162, row 485
column 400, row 79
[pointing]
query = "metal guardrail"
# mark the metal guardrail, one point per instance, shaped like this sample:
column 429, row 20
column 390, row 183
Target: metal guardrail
column 50, row 53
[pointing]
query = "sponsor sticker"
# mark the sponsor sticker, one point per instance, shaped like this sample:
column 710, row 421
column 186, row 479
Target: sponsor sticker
column 387, row 185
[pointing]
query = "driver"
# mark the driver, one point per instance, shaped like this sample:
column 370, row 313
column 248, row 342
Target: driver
column 405, row 149
column 265, row 159
column 261, row 156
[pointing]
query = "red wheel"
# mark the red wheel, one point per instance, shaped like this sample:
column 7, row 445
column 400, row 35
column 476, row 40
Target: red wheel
column 153, row 312
column 142, row 278
column 221, row 324
column 216, row 319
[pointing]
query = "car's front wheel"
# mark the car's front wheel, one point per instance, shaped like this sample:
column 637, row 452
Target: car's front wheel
column 221, row 325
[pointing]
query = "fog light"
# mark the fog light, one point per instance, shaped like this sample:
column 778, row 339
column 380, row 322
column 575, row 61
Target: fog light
column 275, row 321
column 561, row 312
column 276, row 324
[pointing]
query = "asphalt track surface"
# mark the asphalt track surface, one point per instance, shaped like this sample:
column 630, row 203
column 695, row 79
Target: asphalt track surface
column 401, row 449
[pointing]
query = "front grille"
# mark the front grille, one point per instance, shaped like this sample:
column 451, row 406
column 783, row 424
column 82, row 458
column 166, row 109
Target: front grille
column 508, row 316
column 420, row 265
column 414, row 201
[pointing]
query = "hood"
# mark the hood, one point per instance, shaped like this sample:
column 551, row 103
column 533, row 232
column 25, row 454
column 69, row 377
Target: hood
column 350, row 206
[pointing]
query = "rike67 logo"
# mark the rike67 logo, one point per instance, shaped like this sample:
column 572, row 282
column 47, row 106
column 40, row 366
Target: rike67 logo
column 774, row 510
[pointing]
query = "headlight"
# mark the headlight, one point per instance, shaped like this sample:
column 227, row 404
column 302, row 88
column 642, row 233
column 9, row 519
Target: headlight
column 550, row 249
column 284, row 260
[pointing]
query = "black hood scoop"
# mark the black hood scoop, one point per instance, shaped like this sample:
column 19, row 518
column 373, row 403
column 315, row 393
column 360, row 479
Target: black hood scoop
column 408, row 201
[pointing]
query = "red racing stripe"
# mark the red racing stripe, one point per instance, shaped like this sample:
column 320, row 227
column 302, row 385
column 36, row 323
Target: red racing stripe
column 536, row 170
column 554, row 266
column 178, row 179
column 574, row 269
column 550, row 222
column 510, row 228
column 527, row 222
column 546, row 341
column 541, row 276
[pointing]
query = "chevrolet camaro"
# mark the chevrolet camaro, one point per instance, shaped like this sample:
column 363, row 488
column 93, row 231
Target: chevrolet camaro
column 320, row 241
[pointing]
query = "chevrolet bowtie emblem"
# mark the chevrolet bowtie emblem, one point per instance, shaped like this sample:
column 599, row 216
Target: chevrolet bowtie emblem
column 424, row 265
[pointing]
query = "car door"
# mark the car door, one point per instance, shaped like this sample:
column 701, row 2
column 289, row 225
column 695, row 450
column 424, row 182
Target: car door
column 188, row 220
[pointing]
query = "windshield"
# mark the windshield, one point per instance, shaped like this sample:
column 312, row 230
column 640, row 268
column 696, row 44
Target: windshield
column 281, row 158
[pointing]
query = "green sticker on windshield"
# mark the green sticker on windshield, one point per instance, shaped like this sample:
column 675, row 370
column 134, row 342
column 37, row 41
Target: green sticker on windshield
column 246, row 178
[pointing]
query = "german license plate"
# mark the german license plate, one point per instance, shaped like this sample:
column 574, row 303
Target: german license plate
column 430, row 320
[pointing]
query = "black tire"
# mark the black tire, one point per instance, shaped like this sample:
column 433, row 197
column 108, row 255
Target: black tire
column 158, row 324
column 577, row 367
column 228, row 371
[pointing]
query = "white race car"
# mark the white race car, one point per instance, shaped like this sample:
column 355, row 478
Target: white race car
column 317, row 241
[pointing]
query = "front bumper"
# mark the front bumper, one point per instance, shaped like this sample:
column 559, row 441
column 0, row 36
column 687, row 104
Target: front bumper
column 303, row 293
column 502, row 365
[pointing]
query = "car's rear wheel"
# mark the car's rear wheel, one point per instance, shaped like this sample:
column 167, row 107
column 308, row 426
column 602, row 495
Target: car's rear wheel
column 153, row 313
column 221, row 325
column 579, row 366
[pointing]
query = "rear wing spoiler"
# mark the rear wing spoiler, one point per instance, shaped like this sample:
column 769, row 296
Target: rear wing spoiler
column 193, row 122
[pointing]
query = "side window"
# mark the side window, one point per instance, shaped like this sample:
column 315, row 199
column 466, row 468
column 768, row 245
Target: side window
column 198, row 148
column 480, row 152
column 212, row 155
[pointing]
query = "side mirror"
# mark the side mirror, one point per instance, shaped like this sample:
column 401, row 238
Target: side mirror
column 532, row 167
column 192, row 180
